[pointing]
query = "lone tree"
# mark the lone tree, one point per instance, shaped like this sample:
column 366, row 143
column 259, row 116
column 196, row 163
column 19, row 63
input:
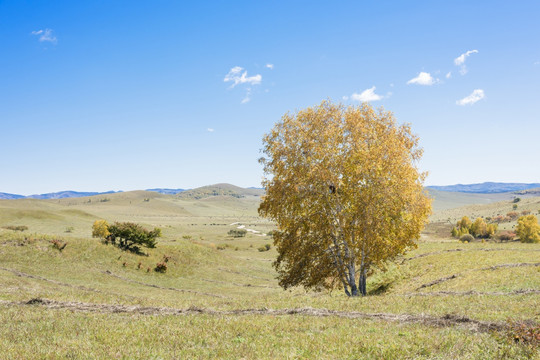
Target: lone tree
column 343, row 187
column 126, row 235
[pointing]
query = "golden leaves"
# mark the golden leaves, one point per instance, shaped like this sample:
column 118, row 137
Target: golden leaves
column 341, row 181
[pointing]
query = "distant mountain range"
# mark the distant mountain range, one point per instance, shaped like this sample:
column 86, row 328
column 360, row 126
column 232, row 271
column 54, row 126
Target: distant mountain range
column 76, row 194
column 56, row 195
column 231, row 190
column 486, row 188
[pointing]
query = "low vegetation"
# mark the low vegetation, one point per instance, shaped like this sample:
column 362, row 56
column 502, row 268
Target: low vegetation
column 237, row 233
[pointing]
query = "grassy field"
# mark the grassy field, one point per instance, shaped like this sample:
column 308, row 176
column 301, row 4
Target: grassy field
column 219, row 297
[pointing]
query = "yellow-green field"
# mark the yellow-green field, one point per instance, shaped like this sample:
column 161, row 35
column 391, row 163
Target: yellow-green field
column 219, row 297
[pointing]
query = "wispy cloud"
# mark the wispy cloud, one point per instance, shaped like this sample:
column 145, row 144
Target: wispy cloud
column 238, row 76
column 460, row 61
column 210, row 130
column 537, row 63
column 46, row 35
column 423, row 78
column 247, row 98
column 269, row 66
column 476, row 96
column 449, row 75
column 366, row 95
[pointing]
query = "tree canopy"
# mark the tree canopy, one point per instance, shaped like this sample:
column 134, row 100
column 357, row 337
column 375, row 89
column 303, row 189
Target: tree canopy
column 343, row 187
column 126, row 235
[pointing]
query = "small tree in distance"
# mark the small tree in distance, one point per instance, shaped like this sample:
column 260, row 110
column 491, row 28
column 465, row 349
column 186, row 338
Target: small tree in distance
column 345, row 192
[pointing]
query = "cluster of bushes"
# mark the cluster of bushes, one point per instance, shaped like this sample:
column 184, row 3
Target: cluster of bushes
column 477, row 229
column 126, row 235
column 237, row 233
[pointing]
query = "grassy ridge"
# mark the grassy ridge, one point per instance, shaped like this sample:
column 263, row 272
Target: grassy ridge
column 240, row 277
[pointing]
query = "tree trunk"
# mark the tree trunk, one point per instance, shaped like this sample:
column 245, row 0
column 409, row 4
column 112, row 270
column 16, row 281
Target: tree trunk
column 362, row 283
column 354, row 290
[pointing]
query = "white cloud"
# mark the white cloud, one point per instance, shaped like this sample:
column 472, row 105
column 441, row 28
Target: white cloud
column 423, row 78
column 449, row 75
column 238, row 76
column 270, row 66
column 476, row 96
column 247, row 98
column 45, row 35
column 210, row 130
column 366, row 96
column 460, row 60
column 345, row 98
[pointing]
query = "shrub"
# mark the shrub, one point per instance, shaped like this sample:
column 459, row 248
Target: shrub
column 100, row 229
column 516, row 200
column 512, row 215
column 466, row 238
column 525, row 212
column 58, row 245
column 514, row 206
column 69, row 229
column 507, row 236
column 525, row 332
column 528, row 229
column 266, row 247
column 237, row 233
column 130, row 236
column 161, row 267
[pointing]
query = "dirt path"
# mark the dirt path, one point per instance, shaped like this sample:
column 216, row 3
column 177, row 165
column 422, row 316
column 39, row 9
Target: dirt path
column 459, row 250
column 494, row 267
column 442, row 321
column 474, row 292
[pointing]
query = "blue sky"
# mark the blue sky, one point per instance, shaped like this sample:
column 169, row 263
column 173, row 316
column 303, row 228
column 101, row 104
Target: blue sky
column 124, row 95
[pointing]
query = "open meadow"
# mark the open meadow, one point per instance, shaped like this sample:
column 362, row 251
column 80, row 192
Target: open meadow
column 219, row 296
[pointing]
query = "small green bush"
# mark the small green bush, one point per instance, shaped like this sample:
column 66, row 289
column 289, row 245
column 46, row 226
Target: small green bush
column 466, row 237
column 237, row 233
